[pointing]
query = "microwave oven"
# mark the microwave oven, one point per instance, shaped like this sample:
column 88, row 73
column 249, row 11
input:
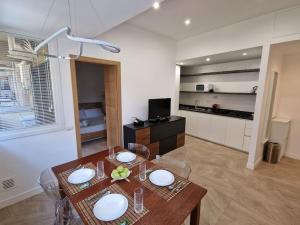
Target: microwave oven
column 205, row 87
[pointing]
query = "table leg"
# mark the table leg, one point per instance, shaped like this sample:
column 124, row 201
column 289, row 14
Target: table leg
column 195, row 215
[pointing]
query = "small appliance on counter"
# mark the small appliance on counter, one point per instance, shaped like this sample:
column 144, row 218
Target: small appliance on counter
column 137, row 122
column 205, row 87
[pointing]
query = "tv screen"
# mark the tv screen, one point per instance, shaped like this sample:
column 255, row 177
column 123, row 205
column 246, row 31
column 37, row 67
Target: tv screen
column 159, row 108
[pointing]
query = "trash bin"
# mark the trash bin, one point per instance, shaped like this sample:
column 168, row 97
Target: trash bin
column 271, row 152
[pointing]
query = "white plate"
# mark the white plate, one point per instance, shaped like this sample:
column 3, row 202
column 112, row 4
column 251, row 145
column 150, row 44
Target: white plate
column 161, row 178
column 126, row 157
column 81, row 176
column 110, row 207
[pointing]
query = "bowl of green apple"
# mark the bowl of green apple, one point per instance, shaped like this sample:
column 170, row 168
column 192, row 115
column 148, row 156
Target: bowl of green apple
column 120, row 173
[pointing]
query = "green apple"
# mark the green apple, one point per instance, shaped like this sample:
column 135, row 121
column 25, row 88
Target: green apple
column 120, row 169
column 123, row 175
column 126, row 171
column 116, row 175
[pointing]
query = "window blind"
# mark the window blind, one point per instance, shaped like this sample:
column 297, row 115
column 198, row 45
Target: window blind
column 26, row 98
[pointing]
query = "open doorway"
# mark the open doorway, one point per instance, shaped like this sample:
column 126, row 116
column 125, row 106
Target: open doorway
column 97, row 104
column 282, row 122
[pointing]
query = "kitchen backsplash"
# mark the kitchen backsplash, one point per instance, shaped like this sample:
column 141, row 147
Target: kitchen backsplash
column 226, row 101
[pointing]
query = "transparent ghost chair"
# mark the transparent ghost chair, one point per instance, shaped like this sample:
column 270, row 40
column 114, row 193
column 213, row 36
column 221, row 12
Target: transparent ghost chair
column 179, row 167
column 64, row 211
column 139, row 149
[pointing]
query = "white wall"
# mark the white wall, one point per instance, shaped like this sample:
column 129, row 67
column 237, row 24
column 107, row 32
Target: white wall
column 90, row 82
column 147, row 70
column 147, row 67
column 261, row 31
column 288, row 100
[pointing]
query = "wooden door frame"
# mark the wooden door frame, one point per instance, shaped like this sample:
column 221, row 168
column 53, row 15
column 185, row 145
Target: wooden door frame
column 114, row 137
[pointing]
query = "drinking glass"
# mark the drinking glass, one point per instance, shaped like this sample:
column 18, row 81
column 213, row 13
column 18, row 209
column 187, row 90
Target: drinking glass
column 111, row 152
column 100, row 170
column 139, row 200
column 142, row 171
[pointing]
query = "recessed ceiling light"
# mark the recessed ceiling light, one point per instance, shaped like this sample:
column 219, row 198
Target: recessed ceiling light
column 156, row 5
column 187, row 22
column 207, row 59
column 245, row 53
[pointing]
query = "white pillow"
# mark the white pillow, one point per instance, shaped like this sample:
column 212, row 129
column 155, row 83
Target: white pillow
column 93, row 113
column 84, row 123
column 82, row 114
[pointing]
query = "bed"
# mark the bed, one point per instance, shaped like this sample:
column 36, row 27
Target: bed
column 92, row 121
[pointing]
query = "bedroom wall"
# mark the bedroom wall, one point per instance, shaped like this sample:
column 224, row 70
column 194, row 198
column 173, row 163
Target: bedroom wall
column 90, row 82
column 147, row 61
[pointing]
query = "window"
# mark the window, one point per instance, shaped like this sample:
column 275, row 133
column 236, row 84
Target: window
column 26, row 98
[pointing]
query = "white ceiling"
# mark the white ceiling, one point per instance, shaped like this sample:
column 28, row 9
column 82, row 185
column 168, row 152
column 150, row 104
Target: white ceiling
column 206, row 15
column 252, row 53
column 89, row 17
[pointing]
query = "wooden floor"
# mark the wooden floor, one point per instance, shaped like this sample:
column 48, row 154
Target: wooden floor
column 92, row 147
column 269, row 195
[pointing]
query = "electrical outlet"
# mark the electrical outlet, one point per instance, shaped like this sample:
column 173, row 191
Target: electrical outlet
column 7, row 184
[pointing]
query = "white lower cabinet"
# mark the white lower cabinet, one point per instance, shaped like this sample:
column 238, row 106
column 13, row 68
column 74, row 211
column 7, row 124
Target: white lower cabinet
column 188, row 123
column 235, row 133
column 201, row 124
column 219, row 129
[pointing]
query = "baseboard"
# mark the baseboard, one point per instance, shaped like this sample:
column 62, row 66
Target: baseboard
column 258, row 161
column 20, row 197
column 292, row 155
column 252, row 166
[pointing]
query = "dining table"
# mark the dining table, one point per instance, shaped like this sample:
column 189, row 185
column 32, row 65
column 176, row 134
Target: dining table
column 159, row 210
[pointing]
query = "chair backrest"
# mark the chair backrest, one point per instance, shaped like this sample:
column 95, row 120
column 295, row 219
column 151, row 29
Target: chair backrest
column 139, row 149
column 179, row 167
column 47, row 182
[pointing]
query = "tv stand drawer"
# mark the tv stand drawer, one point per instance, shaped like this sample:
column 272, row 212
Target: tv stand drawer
column 160, row 137
column 142, row 136
column 166, row 129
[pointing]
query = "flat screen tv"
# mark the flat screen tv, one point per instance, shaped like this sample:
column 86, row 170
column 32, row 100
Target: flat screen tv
column 159, row 109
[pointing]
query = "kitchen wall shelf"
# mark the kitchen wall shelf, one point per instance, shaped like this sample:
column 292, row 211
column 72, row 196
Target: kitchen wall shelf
column 230, row 93
column 221, row 72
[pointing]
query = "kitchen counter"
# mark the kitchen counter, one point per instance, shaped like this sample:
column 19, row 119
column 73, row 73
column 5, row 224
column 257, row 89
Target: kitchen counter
column 220, row 112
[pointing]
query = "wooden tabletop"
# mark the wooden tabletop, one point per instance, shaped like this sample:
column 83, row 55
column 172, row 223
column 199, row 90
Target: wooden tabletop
column 161, row 212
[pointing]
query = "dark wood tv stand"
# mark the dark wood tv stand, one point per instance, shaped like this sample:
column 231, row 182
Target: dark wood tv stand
column 159, row 137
